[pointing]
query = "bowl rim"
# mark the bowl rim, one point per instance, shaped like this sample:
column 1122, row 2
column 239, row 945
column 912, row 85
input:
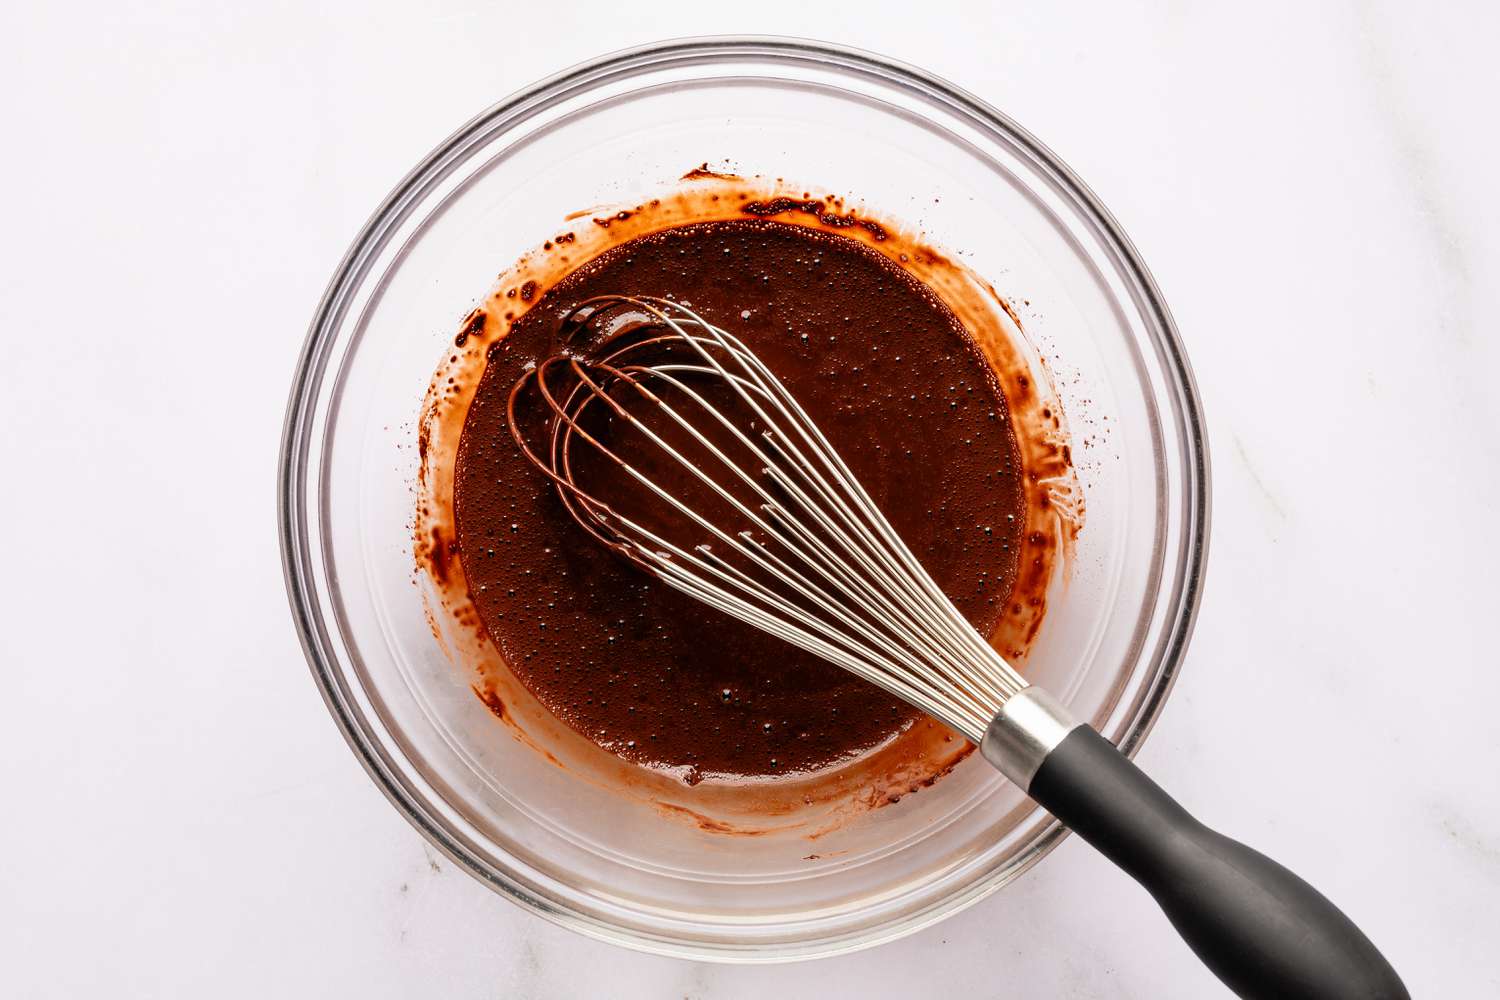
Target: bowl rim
column 295, row 544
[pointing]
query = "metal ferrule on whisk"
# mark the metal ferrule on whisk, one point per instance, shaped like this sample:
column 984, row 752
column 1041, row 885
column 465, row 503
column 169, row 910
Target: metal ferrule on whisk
column 1027, row 728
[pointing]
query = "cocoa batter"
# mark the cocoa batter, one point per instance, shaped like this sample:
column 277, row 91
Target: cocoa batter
column 899, row 387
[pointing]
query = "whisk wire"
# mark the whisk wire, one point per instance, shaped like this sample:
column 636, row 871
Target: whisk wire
column 756, row 552
column 900, row 573
column 823, row 568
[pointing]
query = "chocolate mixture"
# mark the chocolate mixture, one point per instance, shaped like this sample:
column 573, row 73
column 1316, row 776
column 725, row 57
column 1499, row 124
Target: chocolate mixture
column 899, row 388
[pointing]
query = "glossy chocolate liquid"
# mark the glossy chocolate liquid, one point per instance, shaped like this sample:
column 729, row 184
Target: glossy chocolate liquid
column 897, row 385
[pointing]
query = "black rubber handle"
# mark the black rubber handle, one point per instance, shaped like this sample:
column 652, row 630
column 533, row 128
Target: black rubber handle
column 1259, row 928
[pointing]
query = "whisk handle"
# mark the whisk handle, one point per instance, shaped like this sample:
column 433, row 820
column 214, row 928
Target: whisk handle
column 1258, row 927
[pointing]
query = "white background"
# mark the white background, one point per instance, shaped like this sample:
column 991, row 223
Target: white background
column 1315, row 188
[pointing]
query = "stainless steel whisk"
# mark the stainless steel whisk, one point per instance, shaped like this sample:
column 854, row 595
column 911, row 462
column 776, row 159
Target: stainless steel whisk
column 685, row 411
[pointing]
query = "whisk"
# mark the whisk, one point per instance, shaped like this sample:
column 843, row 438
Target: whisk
column 672, row 443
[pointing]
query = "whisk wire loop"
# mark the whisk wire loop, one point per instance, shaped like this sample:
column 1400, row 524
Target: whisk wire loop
column 816, row 564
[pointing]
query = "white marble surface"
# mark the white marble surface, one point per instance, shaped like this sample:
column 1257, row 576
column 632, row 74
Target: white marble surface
column 1315, row 188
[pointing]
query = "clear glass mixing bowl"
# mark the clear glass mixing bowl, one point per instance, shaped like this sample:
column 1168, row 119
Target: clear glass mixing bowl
column 610, row 132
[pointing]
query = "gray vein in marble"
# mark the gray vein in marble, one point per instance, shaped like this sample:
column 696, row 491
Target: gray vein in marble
column 1475, row 843
column 531, row 962
column 1456, row 305
column 1421, row 171
column 1271, row 502
column 698, row 984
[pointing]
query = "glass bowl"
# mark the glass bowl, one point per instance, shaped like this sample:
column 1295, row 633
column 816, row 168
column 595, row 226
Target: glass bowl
column 610, row 132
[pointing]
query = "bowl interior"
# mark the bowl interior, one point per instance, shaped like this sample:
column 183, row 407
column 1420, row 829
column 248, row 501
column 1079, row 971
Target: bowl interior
column 614, row 134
